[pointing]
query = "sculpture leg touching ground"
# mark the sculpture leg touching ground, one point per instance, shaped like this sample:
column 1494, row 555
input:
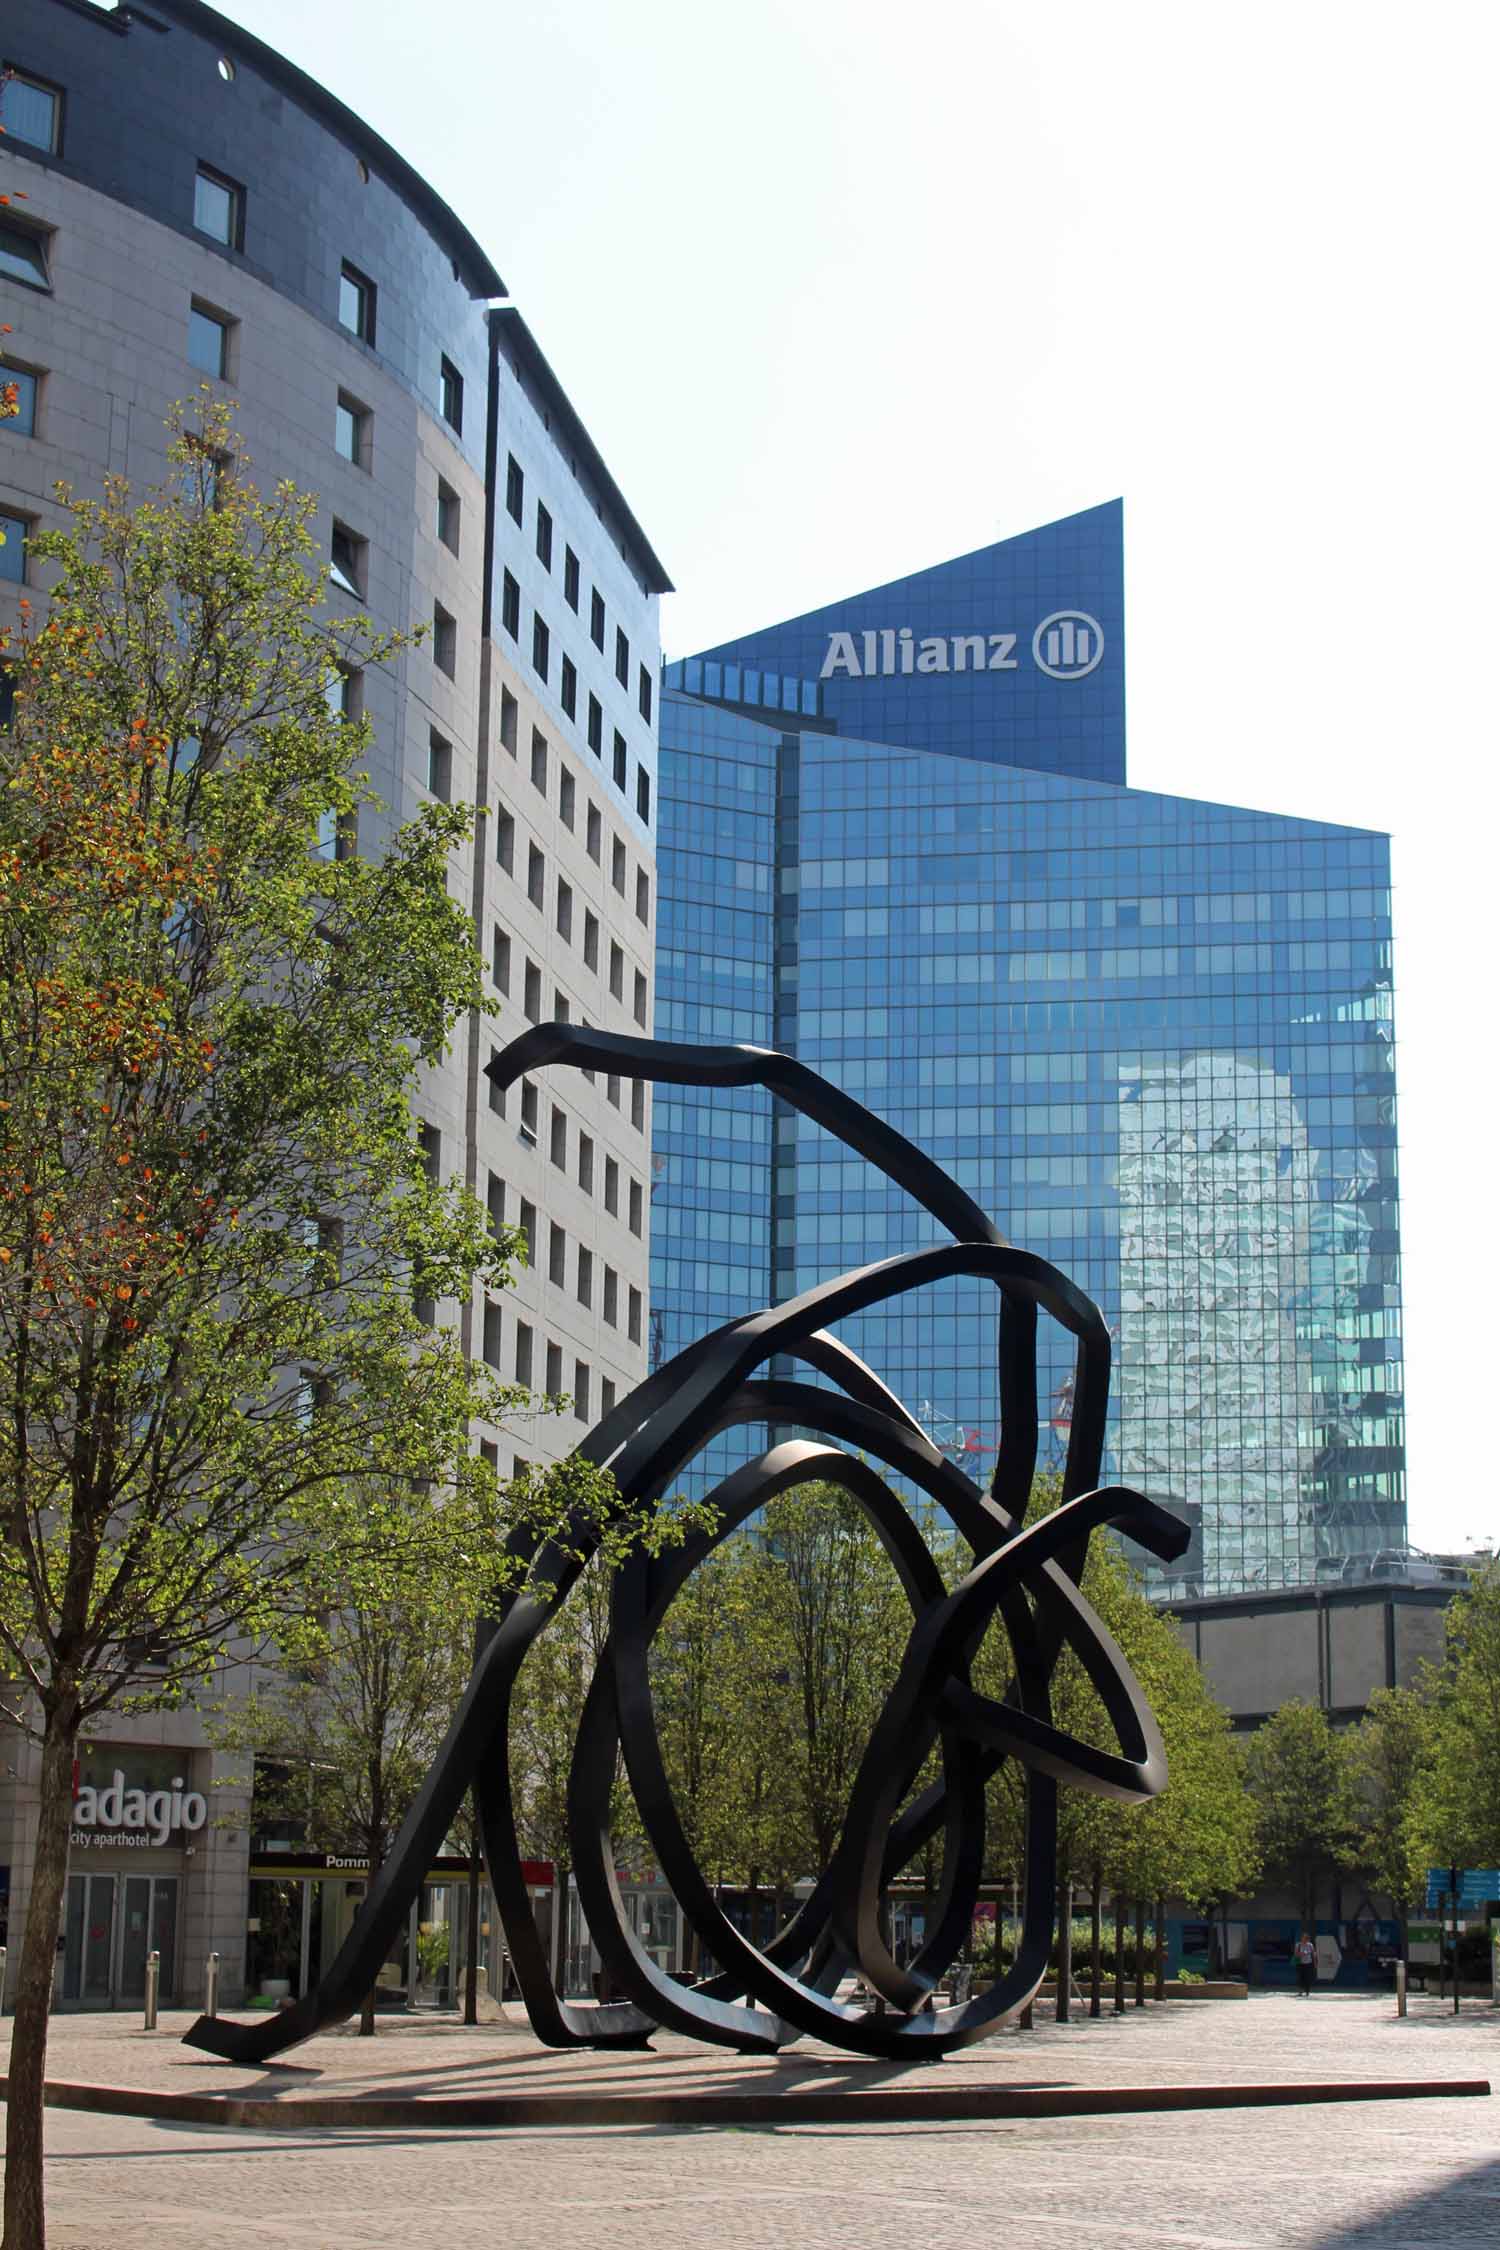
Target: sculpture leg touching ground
column 763, row 1996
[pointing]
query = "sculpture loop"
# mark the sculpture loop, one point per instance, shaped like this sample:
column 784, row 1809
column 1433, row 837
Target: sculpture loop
column 763, row 1996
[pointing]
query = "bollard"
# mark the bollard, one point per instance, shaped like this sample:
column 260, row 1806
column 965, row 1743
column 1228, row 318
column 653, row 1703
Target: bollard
column 1400, row 1988
column 153, row 1979
column 211, row 1986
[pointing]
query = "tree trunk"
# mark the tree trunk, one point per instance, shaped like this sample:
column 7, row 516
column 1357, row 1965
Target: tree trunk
column 1096, row 1894
column 471, row 1932
column 1140, row 1953
column 1161, row 1949
column 25, row 2216
column 1119, row 1953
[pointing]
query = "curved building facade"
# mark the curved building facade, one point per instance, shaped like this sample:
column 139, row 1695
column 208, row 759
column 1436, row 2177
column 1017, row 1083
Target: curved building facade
column 190, row 209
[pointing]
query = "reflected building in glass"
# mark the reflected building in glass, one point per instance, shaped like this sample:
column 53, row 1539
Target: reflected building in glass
column 1152, row 1036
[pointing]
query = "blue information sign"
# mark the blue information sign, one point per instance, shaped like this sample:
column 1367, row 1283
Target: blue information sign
column 1476, row 1887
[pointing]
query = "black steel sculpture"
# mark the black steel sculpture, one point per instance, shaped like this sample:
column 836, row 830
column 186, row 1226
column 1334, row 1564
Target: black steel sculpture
column 762, row 1997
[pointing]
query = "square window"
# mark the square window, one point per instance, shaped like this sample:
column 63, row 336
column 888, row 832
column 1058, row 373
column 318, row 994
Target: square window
column 612, row 1187
column 637, row 1217
column 430, row 1148
column 351, row 430
column 346, row 559
column 543, row 537
column 621, row 761
column 554, row 1370
column 439, row 767
column 491, row 1344
column 559, row 1147
column 611, row 1307
column 596, row 726
column 596, row 619
column 541, row 647
column 612, row 1090
column 606, row 1395
column 586, row 1163
column 497, row 1093
column 622, row 658
column 510, row 716
column 31, row 111
column 341, row 692
column 642, row 895
column 566, row 796
column 531, row 1005
column 539, row 761
column 505, row 842
column 639, row 1009
column 536, row 876
column 590, row 941
column 633, row 1323
column 565, row 911
column 570, row 578
column 25, row 382
column 450, row 393
column 219, row 207
column 523, row 1354
column 643, row 694
column 638, row 1101
column 208, row 340
column 444, row 640
column 515, row 488
column 581, row 1381
column 357, row 303
column 557, row 1256
column 494, row 1202
column 586, row 1278
column 500, row 960
column 569, row 687
column 510, row 609
column 595, row 834
column 643, row 794
column 447, row 516
column 616, row 972
column 14, row 531
column 617, row 865
column 528, row 1127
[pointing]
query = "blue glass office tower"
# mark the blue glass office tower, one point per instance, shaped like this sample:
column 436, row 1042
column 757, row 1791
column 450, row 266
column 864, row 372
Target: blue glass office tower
column 1152, row 1036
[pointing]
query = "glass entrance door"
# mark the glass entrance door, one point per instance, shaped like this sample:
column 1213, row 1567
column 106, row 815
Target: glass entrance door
column 112, row 1923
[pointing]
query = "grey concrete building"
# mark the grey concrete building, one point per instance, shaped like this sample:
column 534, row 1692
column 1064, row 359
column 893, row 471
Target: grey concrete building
column 198, row 211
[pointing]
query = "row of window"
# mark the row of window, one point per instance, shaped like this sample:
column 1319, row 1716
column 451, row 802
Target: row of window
column 541, row 664
column 558, row 1146
column 515, row 502
column 524, row 1369
column 581, row 1259
column 531, row 987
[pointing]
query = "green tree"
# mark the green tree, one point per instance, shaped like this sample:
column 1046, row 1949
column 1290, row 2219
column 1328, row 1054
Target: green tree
column 1298, row 1771
column 216, row 1225
column 1390, row 1756
column 1456, row 1819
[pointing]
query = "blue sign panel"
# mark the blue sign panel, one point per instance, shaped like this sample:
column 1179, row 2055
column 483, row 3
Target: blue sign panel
column 1476, row 1887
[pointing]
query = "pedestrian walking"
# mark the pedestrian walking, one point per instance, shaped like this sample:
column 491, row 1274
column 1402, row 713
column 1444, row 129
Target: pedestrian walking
column 1306, row 1955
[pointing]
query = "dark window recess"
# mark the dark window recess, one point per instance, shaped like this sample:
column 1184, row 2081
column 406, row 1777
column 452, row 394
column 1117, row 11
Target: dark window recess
column 622, row 762
column 595, row 834
column 439, row 767
column 638, row 1105
column 450, row 393
column 554, row 1370
column 497, row 1093
column 444, row 640
column 622, row 658
column 539, row 760
column 500, row 961
column 14, row 531
column 543, row 537
column 531, row 1005
column 515, row 488
column 491, row 1344
column 643, row 794
column 570, row 578
column 565, row 911
column 510, row 717
column 633, row 1328
column 565, row 796
column 617, row 865
column 591, row 941
column 25, row 382
column 208, row 338
column 536, row 876
column 559, row 1148
column 639, row 1010
column 505, row 842
column 523, row 1354
column 643, row 695
column 510, row 609
column 541, row 647
column 526, row 1221
column 346, row 560
column 596, row 726
column 596, row 619
column 642, row 895
column 31, row 110
column 448, row 515
column 569, row 687
column 219, row 207
column 637, row 1217
column 351, row 430
column 357, row 303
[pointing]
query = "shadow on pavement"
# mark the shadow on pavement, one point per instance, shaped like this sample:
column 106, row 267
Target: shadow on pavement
column 1450, row 2216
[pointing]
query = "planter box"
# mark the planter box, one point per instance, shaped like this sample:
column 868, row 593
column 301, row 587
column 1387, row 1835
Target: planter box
column 1226, row 1990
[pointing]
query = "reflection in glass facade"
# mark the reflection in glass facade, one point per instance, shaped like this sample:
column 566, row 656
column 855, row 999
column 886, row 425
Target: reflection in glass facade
column 1152, row 1036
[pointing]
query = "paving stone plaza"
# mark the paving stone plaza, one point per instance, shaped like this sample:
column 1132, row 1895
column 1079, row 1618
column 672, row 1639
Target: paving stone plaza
column 1361, row 2176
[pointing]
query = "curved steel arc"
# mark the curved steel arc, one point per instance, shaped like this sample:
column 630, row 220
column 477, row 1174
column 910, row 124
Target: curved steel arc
column 760, row 1997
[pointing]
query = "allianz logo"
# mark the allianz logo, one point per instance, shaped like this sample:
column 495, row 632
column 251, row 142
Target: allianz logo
column 1067, row 645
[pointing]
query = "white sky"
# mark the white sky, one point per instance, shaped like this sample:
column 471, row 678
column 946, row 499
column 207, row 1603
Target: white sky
column 842, row 288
